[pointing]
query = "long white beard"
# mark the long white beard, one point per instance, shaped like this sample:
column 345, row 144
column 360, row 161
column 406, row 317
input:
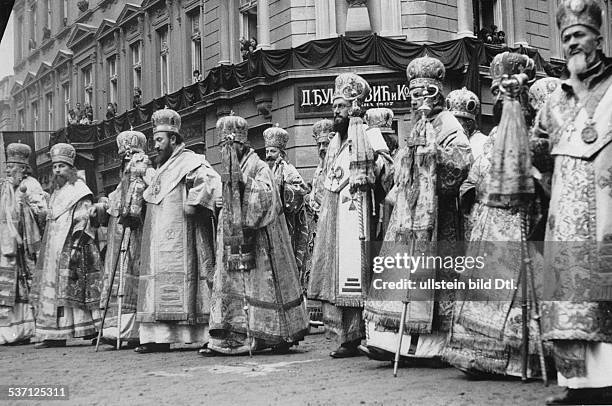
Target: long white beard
column 577, row 64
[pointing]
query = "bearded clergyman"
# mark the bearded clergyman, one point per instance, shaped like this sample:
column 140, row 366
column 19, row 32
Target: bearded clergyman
column 66, row 287
column 22, row 213
column 577, row 121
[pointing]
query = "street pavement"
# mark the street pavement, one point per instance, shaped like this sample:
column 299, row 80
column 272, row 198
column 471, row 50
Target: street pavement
column 305, row 376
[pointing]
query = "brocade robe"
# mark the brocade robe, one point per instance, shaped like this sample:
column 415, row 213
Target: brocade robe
column 313, row 207
column 443, row 168
column 292, row 189
column 277, row 313
column 487, row 331
column 131, row 263
column 341, row 269
column 177, row 251
column 18, row 258
column 66, row 287
column 578, row 238
column 340, row 272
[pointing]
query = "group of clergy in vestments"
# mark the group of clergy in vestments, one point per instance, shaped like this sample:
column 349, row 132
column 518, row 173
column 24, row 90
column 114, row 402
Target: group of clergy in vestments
column 235, row 259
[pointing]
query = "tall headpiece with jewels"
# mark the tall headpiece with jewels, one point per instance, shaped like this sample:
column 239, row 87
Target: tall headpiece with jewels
column 579, row 12
column 352, row 88
column 166, row 120
column 63, row 153
column 18, row 153
column 322, row 130
column 276, row 137
column 381, row 118
column 510, row 63
column 541, row 90
column 463, row 103
column 233, row 128
column 425, row 71
column 131, row 140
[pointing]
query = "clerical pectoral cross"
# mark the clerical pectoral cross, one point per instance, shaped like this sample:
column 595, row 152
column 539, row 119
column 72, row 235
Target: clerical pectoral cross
column 352, row 199
column 606, row 181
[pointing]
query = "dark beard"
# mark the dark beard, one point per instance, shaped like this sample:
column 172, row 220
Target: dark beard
column 341, row 124
column 58, row 181
column 162, row 156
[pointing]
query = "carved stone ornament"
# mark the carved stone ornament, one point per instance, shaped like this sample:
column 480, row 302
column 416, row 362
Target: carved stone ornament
column 263, row 101
column 83, row 5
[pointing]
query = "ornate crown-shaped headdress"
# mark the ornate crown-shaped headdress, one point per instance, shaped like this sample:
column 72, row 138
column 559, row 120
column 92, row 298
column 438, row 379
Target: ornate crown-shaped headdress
column 233, row 128
column 276, row 137
column 463, row 103
column 130, row 139
column 579, row 12
column 322, row 130
column 166, row 120
column 541, row 90
column 510, row 63
column 18, row 153
column 380, row 117
column 351, row 87
column 63, row 153
column 425, row 71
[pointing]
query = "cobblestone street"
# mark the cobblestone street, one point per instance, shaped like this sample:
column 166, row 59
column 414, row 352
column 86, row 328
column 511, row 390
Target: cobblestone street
column 306, row 376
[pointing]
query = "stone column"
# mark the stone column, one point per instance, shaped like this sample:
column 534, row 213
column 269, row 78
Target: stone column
column 520, row 17
column 465, row 18
column 224, row 33
column 263, row 24
column 325, row 19
column 341, row 13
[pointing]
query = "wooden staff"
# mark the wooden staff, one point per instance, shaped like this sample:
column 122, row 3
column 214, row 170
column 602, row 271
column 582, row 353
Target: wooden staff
column 125, row 244
column 110, row 291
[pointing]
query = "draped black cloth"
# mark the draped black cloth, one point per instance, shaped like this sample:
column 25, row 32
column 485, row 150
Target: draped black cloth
column 456, row 55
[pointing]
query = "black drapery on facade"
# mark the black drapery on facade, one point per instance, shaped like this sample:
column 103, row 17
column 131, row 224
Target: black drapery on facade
column 458, row 56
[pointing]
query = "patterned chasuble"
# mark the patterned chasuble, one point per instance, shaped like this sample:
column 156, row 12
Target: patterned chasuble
column 132, row 261
column 277, row 312
column 337, row 274
column 578, row 238
column 428, row 311
column 177, row 251
column 55, row 284
column 17, row 261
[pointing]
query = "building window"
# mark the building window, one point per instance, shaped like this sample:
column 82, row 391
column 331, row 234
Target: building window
column 196, row 43
column 136, row 51
column 112, row 78
column 163, row 60
column 248, row 20
column 87, row 84
column 20, row 120
column 35, row 116
column 66, row 97
column 488, row 21
column 49, row 103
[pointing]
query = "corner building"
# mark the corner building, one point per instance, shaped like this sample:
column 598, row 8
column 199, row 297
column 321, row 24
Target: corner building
column 141, row 54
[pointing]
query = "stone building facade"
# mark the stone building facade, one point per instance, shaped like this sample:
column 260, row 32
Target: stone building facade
column 128, row 53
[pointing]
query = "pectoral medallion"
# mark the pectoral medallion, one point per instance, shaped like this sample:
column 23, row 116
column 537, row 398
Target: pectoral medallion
column 589, row 133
